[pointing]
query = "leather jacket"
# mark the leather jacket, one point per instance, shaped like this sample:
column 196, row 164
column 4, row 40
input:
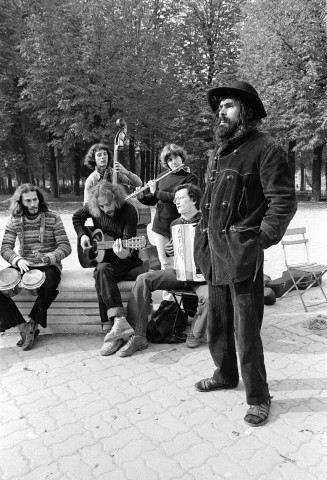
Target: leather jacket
column 247, row 205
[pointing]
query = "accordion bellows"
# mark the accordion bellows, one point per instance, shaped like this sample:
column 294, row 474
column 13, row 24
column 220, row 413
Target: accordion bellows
column 183, row 241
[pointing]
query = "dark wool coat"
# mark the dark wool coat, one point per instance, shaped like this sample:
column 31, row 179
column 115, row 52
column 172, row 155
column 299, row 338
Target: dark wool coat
column 247, row 205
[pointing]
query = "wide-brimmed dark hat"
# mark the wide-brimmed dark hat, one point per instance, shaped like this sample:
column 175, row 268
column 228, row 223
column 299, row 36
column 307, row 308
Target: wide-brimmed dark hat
column 242, row 90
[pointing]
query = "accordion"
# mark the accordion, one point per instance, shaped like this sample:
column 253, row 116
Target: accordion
column 183, row 241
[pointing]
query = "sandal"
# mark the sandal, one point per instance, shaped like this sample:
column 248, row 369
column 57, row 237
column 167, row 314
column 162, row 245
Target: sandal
column 209, row 384
column 21, row 342
column 257, row 415
column 29, row 332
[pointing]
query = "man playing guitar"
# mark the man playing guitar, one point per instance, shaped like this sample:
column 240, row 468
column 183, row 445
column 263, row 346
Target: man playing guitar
column 118, row 218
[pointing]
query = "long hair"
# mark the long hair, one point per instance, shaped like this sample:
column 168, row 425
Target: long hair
column 193, row 191
column 112, row 193
column 16, row 207
column 89, row 159
column 172, row 150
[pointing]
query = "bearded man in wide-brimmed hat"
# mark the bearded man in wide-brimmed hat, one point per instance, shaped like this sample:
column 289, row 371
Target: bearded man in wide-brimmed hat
column 248, row 203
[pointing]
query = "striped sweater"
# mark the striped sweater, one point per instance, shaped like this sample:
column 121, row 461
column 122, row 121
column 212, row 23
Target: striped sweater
column 55, row 243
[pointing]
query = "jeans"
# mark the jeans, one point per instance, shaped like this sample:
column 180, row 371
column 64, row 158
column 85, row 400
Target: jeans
column 235, row 313
column 106, row 276
column 46, row 295
column 139, row 307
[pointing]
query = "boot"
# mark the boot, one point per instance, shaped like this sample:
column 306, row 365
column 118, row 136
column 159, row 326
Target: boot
column 21, row 328
column 121, row 329
column 29, row 332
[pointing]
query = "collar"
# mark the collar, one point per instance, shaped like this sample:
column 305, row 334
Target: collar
column 194, row 219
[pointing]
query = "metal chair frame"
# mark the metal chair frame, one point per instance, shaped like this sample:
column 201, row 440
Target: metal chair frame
column 306, row 268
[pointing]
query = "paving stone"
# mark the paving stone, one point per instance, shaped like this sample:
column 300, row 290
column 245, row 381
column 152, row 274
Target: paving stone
column 66, row 412
column 139, row 469
column 12, row 463
column 75, row 468
column 166, row 468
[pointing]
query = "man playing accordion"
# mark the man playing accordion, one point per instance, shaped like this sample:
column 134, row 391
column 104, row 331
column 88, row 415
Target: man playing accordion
column 139, row 308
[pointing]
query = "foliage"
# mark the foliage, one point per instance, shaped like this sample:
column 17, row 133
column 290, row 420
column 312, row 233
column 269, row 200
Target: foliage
column 70, row 68
column 284, row 52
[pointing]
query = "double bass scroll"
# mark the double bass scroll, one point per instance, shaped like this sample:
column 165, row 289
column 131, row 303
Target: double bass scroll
column 118, row 146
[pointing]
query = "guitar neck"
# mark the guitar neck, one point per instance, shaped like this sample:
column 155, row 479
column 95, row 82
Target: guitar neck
column 106, row 244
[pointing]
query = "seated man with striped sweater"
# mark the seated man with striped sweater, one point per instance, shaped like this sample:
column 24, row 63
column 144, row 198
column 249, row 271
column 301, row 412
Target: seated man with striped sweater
column 43, row 243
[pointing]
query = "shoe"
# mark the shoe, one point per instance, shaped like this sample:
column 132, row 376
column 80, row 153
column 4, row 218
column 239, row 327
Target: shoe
column 209, row 384
column 257, row 415
column 121, row 329
column 135, row 343
column 110, row 347
column 20, row 342
column 29, row 332
column 192, row 341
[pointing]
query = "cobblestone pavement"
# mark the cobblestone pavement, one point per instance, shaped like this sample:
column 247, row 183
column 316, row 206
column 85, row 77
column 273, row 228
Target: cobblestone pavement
column 67, row 413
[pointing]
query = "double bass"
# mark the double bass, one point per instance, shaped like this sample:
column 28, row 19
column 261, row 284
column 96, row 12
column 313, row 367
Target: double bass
column 118, row 146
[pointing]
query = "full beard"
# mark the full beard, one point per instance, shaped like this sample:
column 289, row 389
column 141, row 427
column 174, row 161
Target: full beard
column 33, row 213
column 224, row 132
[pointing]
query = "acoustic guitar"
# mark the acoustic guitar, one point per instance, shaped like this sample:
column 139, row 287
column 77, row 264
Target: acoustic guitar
column 101, row 248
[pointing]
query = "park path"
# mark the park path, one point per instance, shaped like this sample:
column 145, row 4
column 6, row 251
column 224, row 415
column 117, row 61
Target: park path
column 66, row 413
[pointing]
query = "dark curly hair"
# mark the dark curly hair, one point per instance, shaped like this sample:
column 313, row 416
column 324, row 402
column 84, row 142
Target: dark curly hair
column 172, row 150
column 112, row 193
column 193, row 191
column 89, row 159
column 16, row 207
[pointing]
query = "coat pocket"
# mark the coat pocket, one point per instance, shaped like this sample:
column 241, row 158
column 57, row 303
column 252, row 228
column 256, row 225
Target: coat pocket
column 243, row 243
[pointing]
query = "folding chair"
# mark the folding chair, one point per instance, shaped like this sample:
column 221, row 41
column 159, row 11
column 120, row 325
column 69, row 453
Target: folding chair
column 304, row 270
column 181, row 294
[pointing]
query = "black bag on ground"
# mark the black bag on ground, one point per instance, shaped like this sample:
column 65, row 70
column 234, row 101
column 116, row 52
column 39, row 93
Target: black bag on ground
column 306, row 280
column 168, row 324
column 282, row 284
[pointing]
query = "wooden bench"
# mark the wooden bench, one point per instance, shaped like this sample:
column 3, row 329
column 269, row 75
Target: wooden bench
column 76, row 303
column 76, row 306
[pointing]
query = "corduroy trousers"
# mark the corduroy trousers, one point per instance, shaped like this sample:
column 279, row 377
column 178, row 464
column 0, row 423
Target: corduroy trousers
column 235, row 314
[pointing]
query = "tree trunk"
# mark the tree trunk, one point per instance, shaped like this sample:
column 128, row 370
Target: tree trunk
column 326, row 177
column 147, row 165
column 9, row 181
column 77, row 170
column 316, row 173
column 291, row 157
column 142, row 172
column 156, row 166
column 131, row 156
column 152, row 163
column 52, row 165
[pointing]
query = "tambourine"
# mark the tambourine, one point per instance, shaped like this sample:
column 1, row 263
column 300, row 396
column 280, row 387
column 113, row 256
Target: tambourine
column 32, row 281
column 10, row 282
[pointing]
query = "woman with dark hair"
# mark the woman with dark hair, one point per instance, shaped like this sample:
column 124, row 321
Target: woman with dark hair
column 162, row 195
column 98, row 158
